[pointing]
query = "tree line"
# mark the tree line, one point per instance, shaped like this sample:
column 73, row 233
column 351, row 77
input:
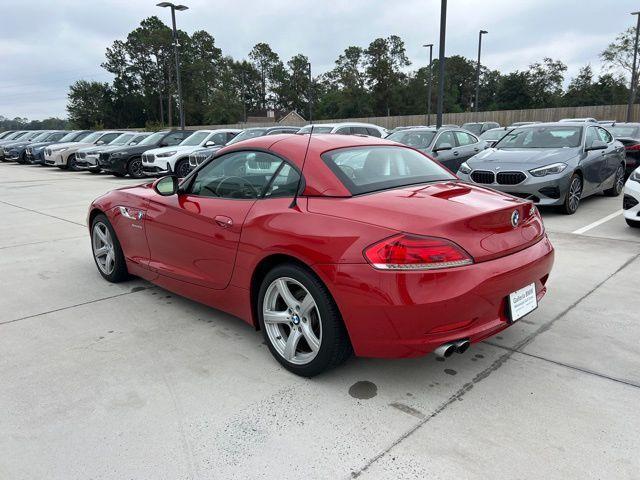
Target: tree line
column 375, row 80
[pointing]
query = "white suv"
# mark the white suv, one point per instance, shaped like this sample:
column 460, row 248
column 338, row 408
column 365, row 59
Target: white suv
column 63, row 155
column 176, row 158
column 631, row 201
column 347, row 128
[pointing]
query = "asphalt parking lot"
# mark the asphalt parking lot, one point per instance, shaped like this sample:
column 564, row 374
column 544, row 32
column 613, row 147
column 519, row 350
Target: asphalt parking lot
column 130, row 381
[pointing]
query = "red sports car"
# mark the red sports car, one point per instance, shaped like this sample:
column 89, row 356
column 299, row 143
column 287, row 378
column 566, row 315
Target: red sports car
column 332, row 245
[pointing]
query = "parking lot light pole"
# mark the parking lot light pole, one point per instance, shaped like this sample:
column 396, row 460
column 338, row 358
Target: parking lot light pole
column 443, row 32
column 430, row 47
column 634, row 80
column 177, row 54
column 310, row 93
column 482, row 32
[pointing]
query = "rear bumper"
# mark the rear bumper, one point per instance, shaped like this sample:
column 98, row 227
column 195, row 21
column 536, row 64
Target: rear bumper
column 407, row 314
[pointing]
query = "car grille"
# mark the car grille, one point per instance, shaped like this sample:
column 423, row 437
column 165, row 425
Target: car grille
column 81, row 155
column 104, row 157
column 47, row 151
column 148, row 157
column 629, row 202
column 482, row 176
column 510, row 178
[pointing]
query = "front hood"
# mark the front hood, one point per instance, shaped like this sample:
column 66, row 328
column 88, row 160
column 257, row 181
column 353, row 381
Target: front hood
column 40, row 144
column 176, row 148
column 521, row 159
column 76, row 145
column 476, row 218
column 132, row 149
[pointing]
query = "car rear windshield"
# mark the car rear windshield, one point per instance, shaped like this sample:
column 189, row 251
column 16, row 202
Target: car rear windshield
column 542, row 137
column 413, row 138
column 624, row 131
column 368, row 169
column 247, row 134
column 493, row 134
column 473, row 127
column 316, row 129
column 195, row 139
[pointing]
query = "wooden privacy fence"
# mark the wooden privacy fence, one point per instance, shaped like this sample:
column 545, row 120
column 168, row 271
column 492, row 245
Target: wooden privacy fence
column 503, row 117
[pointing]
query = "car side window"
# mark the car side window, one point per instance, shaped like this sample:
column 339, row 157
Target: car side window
column 284, row 184
column 465, row 138
column 592, row 136
column 374, row 132
column 604, row 135
column 230, row 135
column 219, row 139
column 344, row 131
column 238, row 175
column 359, row 131
column 445, row 137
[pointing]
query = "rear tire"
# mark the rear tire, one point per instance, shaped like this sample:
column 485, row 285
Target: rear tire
column 573, row 196
column 134, row 168
column 110, row 261
column 633, row 223
column 618, row 183
column 309, row 317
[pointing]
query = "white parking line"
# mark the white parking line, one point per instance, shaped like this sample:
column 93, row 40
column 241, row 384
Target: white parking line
column 597, row 223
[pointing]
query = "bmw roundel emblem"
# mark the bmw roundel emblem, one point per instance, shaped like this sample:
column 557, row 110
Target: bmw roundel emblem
column 515, row 218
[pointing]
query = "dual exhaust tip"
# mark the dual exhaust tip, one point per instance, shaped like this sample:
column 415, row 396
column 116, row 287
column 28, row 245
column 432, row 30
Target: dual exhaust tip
column 447, row 349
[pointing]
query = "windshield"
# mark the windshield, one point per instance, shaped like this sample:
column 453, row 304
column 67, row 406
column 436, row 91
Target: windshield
column 195, row 139
column 413, row 138
column 122, row 139
column 247, row 134
column 624, row 131
column 70, row 137
column 367, row 169
column 493, row 134
column 473, row 127
column 542, row 137
column 92, row 137
column 153, row 139
column 316, row 129
column 40, row 136
column 138, row 138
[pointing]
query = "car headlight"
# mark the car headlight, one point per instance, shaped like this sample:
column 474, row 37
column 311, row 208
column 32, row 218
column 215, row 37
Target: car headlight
column 552, row 169
column 61, row 149
column 116, row 155
column 464, row 168
column 635, row 176
column 166, row 154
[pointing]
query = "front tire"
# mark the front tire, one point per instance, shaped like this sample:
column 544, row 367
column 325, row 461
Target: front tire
column 182, row 168
column 300, row 321
column 107, row 252
column 71, row 163
column 633, row 223
column 573, row 196
column 618, row 183
column 134, row 168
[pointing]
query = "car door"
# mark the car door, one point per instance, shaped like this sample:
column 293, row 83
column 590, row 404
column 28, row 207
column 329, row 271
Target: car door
column 469, row 145
column 613, row 157
column 593, row 163
column 193, row 236
column 448, row 157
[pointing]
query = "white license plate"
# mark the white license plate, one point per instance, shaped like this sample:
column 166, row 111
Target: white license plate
column 522, row 302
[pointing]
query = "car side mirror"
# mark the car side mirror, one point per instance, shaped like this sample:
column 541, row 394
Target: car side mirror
column 209, row 143
column 596, row 145
column 166, row 186
column 164, row 143
column 443, row 146
column 100, row 142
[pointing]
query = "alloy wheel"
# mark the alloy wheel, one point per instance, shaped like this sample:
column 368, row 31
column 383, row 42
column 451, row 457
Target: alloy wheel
column 619, row 180
column 103, row 249
column 182, row 169
column 135, row 168
column 292, row 321
column 575, row 192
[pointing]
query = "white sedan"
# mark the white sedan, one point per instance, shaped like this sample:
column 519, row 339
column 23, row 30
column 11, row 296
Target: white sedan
column 631, row 202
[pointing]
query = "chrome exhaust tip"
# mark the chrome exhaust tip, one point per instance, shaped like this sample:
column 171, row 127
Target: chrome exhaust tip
column 445, row 350
column 462, row 346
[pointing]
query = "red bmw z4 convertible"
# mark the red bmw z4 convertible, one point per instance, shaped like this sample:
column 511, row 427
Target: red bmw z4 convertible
column 332, row 245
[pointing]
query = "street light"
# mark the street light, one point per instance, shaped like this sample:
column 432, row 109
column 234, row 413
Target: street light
column 175, row 50
column 443, row 32
column 310, row 94
column 430, row 47
column 632, row 90
column 482, row 32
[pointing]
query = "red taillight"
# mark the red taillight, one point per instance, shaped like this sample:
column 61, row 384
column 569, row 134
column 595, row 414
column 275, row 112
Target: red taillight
column 633, row 147
column 412, row 252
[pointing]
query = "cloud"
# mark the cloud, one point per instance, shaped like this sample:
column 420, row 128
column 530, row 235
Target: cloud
column 46, row 46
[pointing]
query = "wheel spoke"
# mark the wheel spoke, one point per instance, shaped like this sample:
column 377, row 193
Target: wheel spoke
column 285, row 293
column 310, row 337
column 109, row 261
column 292, row 344
column 102, row 251
column 275, row 317
column 306, row 305
column 102, row 236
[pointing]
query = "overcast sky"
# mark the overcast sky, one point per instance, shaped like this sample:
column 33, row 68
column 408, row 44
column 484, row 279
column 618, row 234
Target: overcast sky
column 47, row 45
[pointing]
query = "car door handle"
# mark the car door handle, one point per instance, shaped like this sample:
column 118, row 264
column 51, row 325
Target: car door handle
column 224, row 222
column 456, row 153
